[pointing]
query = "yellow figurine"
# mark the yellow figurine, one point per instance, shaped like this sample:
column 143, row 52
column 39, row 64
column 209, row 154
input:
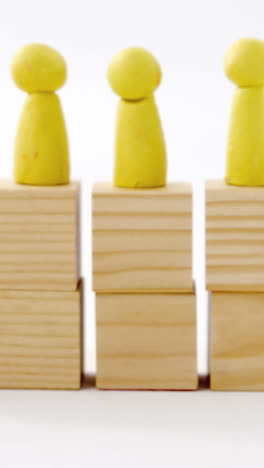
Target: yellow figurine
column 244, row 65
column 41, row 146
column 140, row 154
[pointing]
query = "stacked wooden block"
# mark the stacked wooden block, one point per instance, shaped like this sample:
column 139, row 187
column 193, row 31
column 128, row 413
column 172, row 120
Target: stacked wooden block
column 142, row 276
column 40, row 290
column 235, row 277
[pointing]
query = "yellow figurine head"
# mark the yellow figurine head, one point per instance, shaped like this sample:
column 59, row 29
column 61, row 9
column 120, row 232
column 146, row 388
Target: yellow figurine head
column 244, row 63
column 38, row 68
column 134, row 73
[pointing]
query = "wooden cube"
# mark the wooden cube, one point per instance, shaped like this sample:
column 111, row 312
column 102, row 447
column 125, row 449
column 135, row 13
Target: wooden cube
column 142, row 239
column 40, row 339
column 39, row 231
column 146, row 341
column 237, row 341
column 234, row 237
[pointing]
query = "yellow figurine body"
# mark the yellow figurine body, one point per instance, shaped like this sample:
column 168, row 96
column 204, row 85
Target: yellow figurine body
column 140, row 154
column 41, row 146
column 244, row 65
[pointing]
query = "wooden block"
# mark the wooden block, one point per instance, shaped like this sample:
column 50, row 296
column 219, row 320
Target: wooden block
column 39, row 231
column 237, row 341
column 146, row 341
column 142, row 239
column 234, row 237
column 40, row 339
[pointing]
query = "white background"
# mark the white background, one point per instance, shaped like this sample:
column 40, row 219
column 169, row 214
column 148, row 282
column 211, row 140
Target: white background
column 189, row 38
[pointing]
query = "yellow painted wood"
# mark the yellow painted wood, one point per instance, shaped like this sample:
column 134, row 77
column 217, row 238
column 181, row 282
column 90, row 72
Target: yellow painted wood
column 245, row 148
column 146, row 341
column 38, row 68
column 237, row 341
column 134, row 73
column 140, row 159
column 39, row 237
column 41, row 339
column 142, row 239
column 140, row 154
column 234, row 237
column 41, row 146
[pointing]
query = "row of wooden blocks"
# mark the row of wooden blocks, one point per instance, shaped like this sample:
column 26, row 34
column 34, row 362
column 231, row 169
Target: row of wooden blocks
column 142, row 276
column 143, row 247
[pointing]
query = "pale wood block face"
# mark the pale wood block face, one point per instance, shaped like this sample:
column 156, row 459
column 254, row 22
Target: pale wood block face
column 40, row 339
column 234, row 237
column 142, row 239
column 237, row 341
column 146, row 341
column 39, row 229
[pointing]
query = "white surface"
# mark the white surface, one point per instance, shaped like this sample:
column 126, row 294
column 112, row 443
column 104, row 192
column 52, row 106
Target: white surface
column 131, row 429
column 189, row 38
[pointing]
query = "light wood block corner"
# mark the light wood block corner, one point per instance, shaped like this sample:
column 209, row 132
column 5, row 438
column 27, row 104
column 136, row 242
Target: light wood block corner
column 39, row 237
column 142, row 239
column 234, row 237
column 237, row 341
column 41, row 339
column 146, row 341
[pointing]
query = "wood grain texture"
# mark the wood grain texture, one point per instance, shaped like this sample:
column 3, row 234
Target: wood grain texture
column 41, row 339
column 142, row 239
column 237, row 341
column 234, row 237
column 39, row 230
column 146, row 341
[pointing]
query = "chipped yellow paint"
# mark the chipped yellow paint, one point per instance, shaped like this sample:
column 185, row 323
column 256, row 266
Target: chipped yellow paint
column 41, row 146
